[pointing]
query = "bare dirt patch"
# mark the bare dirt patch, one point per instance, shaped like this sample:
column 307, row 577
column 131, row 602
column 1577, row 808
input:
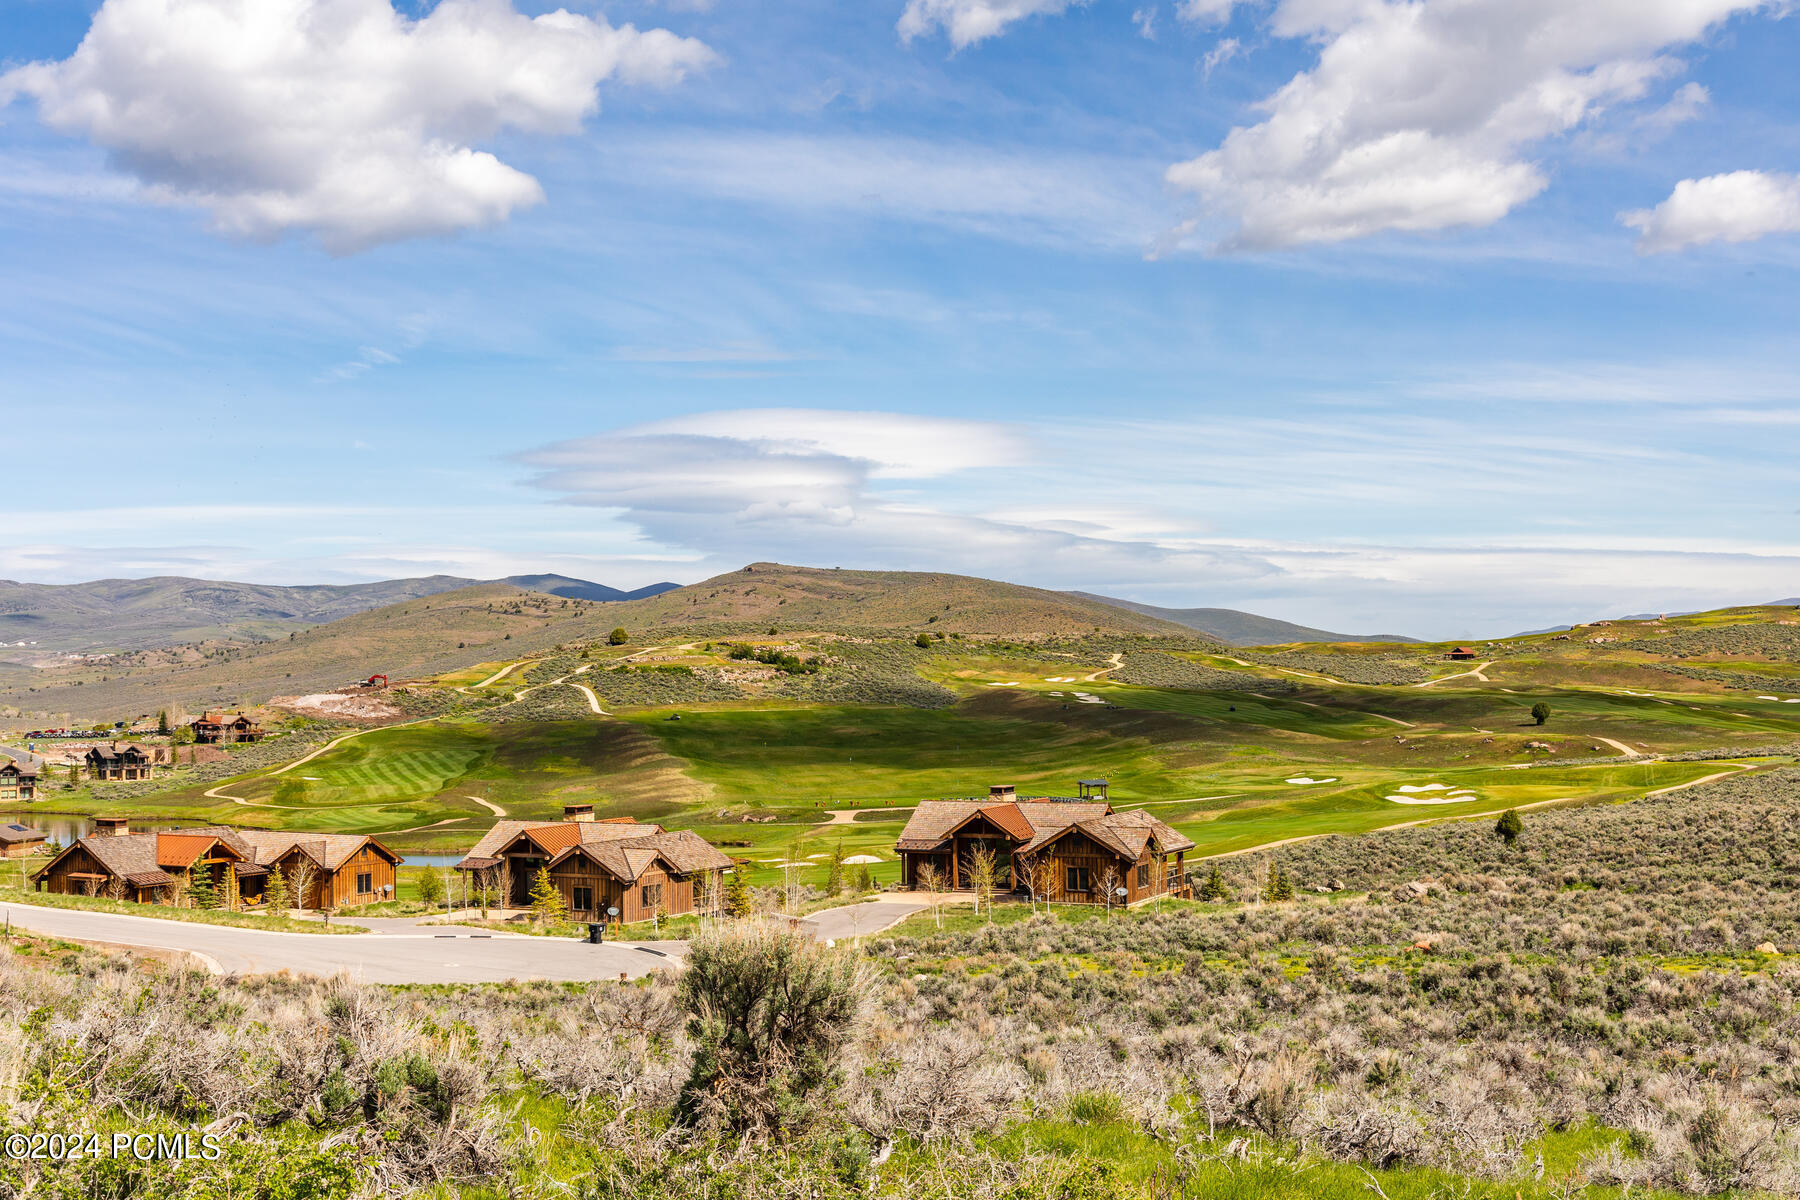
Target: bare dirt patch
column 342, row 705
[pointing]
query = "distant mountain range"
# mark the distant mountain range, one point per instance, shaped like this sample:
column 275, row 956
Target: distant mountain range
column 136, row 614
column 1241, row 628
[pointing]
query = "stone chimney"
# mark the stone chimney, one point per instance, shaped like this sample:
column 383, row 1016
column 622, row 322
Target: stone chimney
column 578, row 812
column 112, row 826
column 1002, row 791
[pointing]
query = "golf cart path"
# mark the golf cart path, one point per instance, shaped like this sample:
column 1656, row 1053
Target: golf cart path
column 1621, row 747
column 401, row 952
column 219, row 792
column 488, row 804
column 1475, row 671
column 1117, row 660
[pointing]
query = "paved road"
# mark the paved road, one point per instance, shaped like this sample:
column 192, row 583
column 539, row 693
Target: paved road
column 397, row 952
column 860, row 920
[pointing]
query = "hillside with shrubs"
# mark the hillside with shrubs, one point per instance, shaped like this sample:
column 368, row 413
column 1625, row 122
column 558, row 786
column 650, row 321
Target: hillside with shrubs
column 1600, row 999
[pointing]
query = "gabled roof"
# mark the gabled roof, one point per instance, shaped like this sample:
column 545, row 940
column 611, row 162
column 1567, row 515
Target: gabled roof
column 681, row 850
column 15, row 767
column 178, row 851
column 503, row 833
column 934, row 821
column 328, row 850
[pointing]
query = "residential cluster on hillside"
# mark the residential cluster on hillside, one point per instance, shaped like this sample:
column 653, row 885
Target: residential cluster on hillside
column 1057, row 849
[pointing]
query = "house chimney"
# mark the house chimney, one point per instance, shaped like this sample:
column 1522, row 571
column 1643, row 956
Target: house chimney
column 112, row 826
column 1001, row 791
column 578, row 812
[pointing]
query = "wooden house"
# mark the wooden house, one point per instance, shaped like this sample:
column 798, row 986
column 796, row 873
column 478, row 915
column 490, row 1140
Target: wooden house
column 152, row 868
column 20, row 841
column 118, row 761
column 18, row 782
column 596, row 866
column 1462, row 654
column 1067, row 850
column 161, row 867
column 222, row 728
column 344, row 869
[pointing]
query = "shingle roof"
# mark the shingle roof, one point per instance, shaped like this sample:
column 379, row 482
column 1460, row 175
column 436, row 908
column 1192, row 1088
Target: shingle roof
column 586, row 832
column 328, row 850
column 684, row 850
column 1124, row 833
column 12, row 834
column 179, row 850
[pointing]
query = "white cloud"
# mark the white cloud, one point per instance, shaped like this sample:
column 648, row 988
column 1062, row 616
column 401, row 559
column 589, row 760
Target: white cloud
column 341, row 118
column 1739, row 207
column 1224, row 51
column 970, row 21
column 1420, row 115
column 1037, row 198
column 1208, row 12
column 1145, row 20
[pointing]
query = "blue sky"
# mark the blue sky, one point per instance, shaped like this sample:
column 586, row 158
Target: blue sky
column 1453, row 318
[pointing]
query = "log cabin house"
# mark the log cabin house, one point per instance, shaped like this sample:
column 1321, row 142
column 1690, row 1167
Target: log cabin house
column 1462, row 654
column 597, row 866
column 118, row 761
column 346, row 869
column 20, row 841
column 1061, row 850
column 18, row 783
column 160, row 868
column 224, row 729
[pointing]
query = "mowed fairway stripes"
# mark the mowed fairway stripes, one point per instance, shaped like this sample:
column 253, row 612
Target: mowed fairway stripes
column 406, row 774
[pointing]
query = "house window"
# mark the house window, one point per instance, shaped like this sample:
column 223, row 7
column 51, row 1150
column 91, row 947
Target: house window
column 582, row 899
column 652, row 895
column 1143, row 875
column 1078, row 880
column 365, row 883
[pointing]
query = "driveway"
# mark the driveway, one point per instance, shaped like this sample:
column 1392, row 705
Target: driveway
column 394, row 951
column 860, row 920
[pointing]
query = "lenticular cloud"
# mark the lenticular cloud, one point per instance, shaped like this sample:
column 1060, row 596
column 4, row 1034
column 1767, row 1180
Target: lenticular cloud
column 340, row 118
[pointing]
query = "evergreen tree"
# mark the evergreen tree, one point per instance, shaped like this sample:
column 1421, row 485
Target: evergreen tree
column 431, row 888
column 546, row 900
column 1284, row 887
column 618, row 637
column 1540, row 712
column 865, row 882
column 1214, row 888
column 275, row 895
column 738, row 901
column 200, row 890
column 1509, row 827
column 834, row 882
column 162, row 721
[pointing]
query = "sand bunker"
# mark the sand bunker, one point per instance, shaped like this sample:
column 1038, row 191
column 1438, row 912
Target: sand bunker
column 862, row 860
column 1302, row 780
column 1014, row 683
column 1088, row 698
column 1060, row 679
column 1452, row 798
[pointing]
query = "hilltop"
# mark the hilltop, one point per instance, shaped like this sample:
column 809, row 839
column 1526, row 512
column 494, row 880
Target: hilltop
column 168, row 610
column 1237, row 628
column 451, row 630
